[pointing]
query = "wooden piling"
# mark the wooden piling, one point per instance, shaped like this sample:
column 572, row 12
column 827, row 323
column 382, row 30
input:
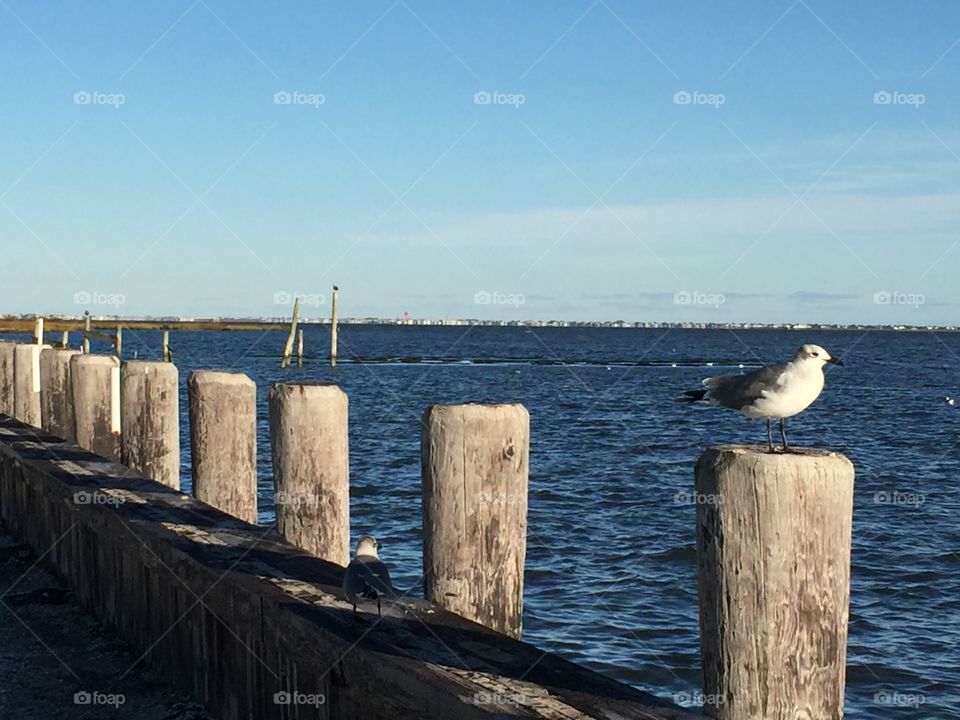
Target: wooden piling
column 223, row 441
column 773, row 556
column 7, row 377
column 65, row 339
column 288, row 347
column 56, row 392
column 150, row 418
column 96, row 403
column 308, row 434
column 26, row 384
column 118, row 343
column 38, row 331
column 333, row 326
column 167, row 354
column 86, row 332
column 474, row 470
column 300, row 348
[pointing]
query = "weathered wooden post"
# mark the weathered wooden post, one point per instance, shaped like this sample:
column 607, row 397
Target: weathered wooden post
column 26, row 384
column 56, row 392
column 167, row 354
column 333, row 326
column 223, row 441
column 96, row 403
column 773, row 557
column 300, row 348
column 474, row 470
column 7, row 377
column 86, row 332
column 311, row 469
column 150, row 418
column 288, row 347
column 118, row 343
column 65, row 339
column 38, row 331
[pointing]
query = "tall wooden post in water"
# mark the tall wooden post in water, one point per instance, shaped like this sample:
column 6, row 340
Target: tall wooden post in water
column 311, row 467
column 333, row 326
column 288, row 348
column 474, row 470
column 38, row 332
column 150, row 417
column 86, row 332
column 773, row 557
column 223, row 441
column 95, row 381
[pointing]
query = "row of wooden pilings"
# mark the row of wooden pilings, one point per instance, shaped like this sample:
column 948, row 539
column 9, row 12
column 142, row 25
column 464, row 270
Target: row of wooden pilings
column 773, row 530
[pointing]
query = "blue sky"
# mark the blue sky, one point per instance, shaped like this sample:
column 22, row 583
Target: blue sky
column 748, row 161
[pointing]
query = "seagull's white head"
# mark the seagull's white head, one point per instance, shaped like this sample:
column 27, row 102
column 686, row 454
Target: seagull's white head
column 367, row 545
column 815, row 354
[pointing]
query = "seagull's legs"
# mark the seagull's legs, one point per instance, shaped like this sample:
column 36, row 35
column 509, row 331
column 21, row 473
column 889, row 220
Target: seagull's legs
column 783, row 434
column 769, row 437
column 354, row 608
column 378, row 606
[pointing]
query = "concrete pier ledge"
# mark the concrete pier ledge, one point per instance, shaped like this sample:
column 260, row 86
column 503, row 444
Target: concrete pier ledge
column 248, row 624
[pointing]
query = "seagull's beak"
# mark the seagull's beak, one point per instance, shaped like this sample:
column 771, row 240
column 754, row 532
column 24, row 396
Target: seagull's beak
column 835, row 361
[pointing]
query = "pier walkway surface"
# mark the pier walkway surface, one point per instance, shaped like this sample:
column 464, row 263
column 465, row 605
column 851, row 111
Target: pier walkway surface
column 251, row 626
column 54, row 657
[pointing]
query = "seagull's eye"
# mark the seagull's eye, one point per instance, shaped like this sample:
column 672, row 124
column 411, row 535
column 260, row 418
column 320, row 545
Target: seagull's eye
column 814, row 354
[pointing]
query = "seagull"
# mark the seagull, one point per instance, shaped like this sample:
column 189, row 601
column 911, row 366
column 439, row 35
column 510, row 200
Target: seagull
column 367, row 577
column 773, row 391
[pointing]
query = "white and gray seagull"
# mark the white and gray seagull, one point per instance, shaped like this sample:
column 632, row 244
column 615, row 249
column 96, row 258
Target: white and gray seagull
column 771, row 392
column 367, row 577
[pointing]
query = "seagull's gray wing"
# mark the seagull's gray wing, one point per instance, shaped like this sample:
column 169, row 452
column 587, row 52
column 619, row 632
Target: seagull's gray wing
column 740, row 391
column 367, row 577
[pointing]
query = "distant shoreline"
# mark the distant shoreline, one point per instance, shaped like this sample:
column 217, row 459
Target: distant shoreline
column 60, row 324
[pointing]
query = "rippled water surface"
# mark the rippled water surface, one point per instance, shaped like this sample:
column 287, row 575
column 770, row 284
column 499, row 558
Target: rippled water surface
column 611, row 571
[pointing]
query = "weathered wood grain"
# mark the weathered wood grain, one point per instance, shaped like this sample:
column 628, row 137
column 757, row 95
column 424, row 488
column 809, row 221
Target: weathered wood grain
column 95, row 382
column 311, row 467
column 474, row 471
column 56, row 392
column 773, row 553
column 150, row 418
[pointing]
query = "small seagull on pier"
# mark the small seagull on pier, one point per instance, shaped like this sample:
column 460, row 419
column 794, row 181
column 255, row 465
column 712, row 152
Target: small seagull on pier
column 771, row 392
column 367, row 577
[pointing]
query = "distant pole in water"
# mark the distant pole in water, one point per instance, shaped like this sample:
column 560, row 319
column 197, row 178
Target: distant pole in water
column 38, row 332
column 167, row 355
column 333, row 327
column 118, row 343
column 773, row 562
column 474, row 462
column 86, row 332
column 65, row 339
column 288, row 348
column 300, row 348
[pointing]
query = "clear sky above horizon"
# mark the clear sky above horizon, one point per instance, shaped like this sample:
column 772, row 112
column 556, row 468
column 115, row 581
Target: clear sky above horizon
column 789, row 160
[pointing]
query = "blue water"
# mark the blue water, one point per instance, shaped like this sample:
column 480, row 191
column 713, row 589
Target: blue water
column 611, row 572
